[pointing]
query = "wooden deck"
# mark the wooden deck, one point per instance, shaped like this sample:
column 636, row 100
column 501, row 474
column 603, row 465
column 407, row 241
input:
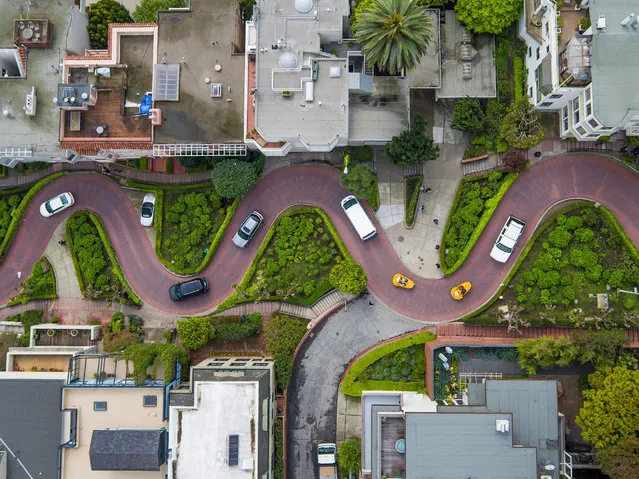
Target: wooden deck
column 108, row 110
column 392, row 463
column 64, row 338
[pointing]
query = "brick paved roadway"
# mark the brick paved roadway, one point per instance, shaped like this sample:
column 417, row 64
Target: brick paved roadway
column 571, row 176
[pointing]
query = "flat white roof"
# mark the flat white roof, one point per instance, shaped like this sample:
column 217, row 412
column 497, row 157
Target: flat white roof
column 221, row 409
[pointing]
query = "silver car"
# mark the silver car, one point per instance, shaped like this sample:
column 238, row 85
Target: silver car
column 247, row 229
column 56, row 204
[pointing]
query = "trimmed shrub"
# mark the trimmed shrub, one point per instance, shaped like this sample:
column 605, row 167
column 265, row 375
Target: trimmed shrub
column 237, row 328
column 282, row 335
column 349, row 277
column 412, row 185
column 233, row 178
column 29, row 318
column 195, row 332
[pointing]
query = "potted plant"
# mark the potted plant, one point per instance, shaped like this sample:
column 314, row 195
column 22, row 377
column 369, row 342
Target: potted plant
column 50, row 332
column 74, row 332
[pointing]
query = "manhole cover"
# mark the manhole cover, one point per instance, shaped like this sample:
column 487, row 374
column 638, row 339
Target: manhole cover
column 400, row 239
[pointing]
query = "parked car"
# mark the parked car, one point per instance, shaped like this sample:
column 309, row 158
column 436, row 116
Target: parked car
column 186, row 289
column 507, row 239
column 56, row 204
column 247, row 229
column 148, row 210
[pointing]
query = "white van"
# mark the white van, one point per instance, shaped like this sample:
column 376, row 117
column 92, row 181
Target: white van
column 360, row 220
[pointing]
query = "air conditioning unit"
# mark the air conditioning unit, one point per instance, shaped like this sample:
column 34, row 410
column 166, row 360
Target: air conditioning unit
column 502, row 425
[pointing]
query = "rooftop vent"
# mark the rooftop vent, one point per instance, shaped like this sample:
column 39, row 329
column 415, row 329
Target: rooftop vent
column 303, row 6
column 601, row 23
column 502, row 425
column 288, row 60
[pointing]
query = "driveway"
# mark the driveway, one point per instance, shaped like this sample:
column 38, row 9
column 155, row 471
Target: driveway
column 312, row 394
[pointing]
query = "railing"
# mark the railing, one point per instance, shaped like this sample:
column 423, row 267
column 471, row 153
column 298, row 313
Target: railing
column 566, row 466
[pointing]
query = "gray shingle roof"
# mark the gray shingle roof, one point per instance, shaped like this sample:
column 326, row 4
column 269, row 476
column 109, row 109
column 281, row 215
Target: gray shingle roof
column 127, row 450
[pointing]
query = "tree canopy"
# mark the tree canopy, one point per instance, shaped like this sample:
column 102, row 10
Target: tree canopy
column 394, row 34
column 282, row 334
column 610, row 412
column 147, row 10
column 349, row 277
column 412, row 146
column 520, row 127
column 233, row 178
column 101, row 14
column 468, row 115
column 360, row 180
column 494, row 16
column 349, row 457
column 195, row 332
column 622, row 460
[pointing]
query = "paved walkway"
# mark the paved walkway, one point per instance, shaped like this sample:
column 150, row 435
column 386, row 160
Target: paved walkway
column 571, row 176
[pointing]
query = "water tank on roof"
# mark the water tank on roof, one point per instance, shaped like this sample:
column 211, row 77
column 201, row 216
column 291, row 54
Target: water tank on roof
column 303, row 6
column 288, row 60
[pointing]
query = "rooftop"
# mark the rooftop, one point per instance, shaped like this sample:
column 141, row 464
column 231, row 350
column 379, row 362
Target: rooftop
column 40, row 133
column 614, row 76
column 197, row 41
column 31, row 427
column 205, row 430
column 318, row 119
column 124, row 410
column 464, row 52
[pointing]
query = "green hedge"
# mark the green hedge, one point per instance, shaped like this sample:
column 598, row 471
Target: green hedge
column 490, row 207
column 412, row 184
column 18, row 213
column 374, row 201
column 237, row 328
column 29, row 318
column 151, row 187
column 467, row 319
column 144, row 163
column 3, row 171
column 352, row 387
column 235, row 299
column 518, row 73
column 115, row 265
column 169, row 165
column 625, row 239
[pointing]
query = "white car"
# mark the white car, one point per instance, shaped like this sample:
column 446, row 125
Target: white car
column 56, row 204
column 148, row 210
column 507, row 239
column 247, row 229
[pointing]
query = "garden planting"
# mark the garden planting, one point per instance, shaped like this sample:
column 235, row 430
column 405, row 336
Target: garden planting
column 39, row 285
column 412, row 185
column 398, row 365
column 282, row 334
column 98, row 271
column 295, row 261
column 581, row 253
column 8, row 204
column 473, row 206
column 190, row 222
column 29, row 318
column 198, row 331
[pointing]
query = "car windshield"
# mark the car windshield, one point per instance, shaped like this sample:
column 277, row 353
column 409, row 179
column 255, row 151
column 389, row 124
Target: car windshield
column 178, row 291
column 350, row 203
column 147, row 210
column 242, row 233
column 505, row 249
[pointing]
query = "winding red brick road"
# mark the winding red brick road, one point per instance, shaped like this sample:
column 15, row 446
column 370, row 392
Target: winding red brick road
column 571, row 176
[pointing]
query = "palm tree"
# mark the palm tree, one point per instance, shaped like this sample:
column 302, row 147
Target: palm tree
column 394, row 34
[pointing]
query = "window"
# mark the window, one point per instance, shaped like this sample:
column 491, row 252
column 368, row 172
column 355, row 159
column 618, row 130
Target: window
column 575, row 111
column 529, row 52
column 547, row 48
column 581, row 130
column 537, row 53
column 100, row 406
column 150, row 401
column 564, row 117
column 556, row 95
column 594, row 123
column 546, row 104
column 546, row 29
column 530, row 92
column 589, row 108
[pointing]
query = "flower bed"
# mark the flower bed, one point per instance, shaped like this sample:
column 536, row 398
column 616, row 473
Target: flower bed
column 97, row 268
column 579, row 253
column 293, row 262
column 475, row 202
column 39, row 285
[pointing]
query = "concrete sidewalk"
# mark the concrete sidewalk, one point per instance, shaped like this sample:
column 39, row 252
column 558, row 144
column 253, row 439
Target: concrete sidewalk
column 416, row 246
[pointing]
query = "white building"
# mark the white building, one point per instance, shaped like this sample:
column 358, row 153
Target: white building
column 586, row 76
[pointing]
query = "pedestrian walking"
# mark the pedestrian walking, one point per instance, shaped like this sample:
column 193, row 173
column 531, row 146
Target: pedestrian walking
column 436, row 221
column 438, row 265
column 537, row 154
column 428, row 190
column 421, row 209
column 370, row 303
column 421, row 188
column 436, row 246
